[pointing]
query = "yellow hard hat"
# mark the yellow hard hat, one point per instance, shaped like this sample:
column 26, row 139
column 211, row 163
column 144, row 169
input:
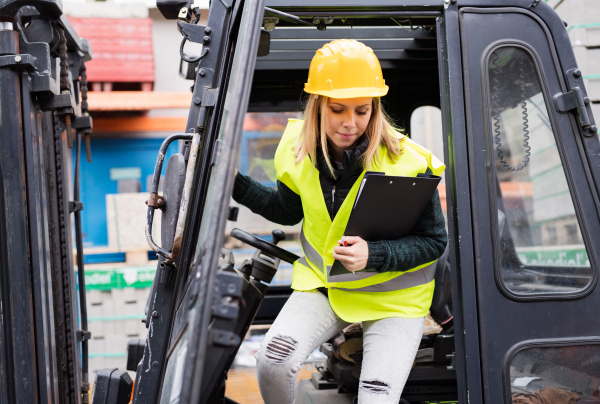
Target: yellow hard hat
column 345, row 68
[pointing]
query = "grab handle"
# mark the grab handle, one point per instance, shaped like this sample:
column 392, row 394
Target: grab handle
column 155, row 201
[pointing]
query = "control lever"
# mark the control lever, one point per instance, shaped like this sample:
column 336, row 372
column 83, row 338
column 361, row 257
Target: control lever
column 278, row 235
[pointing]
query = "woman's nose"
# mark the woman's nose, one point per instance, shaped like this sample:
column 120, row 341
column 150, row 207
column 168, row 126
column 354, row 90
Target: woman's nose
column 350, row 121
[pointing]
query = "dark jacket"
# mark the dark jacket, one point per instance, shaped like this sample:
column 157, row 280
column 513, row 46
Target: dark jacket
column 336, row 189
column 284, row 206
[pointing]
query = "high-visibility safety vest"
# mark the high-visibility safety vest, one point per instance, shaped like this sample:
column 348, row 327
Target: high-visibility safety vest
column 365, row 295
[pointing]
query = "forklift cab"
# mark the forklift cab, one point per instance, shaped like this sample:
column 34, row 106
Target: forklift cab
column 516, row 291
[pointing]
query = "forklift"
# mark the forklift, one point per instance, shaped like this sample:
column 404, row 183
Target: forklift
column 515, row 291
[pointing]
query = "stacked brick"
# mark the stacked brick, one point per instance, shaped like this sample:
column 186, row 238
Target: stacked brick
column 114, row 317
column 583, row 18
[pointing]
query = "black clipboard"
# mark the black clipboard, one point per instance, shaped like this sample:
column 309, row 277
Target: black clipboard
column 388, row 208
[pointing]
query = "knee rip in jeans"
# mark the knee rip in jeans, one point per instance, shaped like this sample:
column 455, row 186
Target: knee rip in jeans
column 280, row 349
column 375, row 386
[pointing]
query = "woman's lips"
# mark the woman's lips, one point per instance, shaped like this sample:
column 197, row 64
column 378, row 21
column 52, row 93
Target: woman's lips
column 346, row 135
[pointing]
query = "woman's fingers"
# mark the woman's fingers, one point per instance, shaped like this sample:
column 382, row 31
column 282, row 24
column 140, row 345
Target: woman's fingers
column 344, row 258
column 344, row 250
column 353, row 239
column 350, row 260
column 355, row 256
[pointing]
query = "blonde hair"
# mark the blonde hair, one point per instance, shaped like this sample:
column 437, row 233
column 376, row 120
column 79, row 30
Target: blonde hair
column 379, row 131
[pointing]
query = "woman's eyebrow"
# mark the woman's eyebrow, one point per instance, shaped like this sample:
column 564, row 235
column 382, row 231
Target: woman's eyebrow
column 344, row 106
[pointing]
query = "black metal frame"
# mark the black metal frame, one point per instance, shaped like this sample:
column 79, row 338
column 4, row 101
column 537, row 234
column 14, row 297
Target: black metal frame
column 41, row 340
column 460, row 226
column 278, row 297
column 17, row 292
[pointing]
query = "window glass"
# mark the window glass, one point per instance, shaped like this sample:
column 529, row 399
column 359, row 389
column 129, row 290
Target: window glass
column 174, row 375
column 542, row 250
column 564, row 374
column 262, row 132
column 426, row 130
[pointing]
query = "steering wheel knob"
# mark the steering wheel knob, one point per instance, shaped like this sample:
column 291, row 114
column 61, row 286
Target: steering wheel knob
column 278, row 235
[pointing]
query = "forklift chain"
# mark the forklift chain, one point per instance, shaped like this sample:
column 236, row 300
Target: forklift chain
column 62, row 54
column 67, row 361
column 84, row 91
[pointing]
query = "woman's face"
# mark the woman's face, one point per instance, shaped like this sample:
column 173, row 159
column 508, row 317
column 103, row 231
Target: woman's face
column 346, row 121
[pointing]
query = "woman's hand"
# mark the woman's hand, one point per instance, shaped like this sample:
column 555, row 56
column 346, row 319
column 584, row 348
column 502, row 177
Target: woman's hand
column 355, row 256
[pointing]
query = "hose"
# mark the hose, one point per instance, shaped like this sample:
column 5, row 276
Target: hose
column 496, row 116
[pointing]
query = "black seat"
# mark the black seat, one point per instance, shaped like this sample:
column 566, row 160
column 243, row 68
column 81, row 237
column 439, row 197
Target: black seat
column 441, row 306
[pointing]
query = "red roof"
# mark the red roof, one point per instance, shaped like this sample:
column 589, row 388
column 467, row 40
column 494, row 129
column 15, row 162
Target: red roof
column 121, row 48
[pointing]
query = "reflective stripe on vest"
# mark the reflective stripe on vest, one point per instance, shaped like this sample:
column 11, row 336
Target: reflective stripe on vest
column 404, row 281
column 407, row 280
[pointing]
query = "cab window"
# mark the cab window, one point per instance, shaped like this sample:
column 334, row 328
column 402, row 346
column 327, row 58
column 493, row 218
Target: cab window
column 539, row 245
column 260, row 138
column 567, row 372
column 426, row 130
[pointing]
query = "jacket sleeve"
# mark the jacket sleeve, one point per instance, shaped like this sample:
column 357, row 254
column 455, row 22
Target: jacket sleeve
column 426, row 244
column 281, row 205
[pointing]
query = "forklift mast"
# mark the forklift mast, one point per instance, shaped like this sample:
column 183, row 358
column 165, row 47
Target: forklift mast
column 43, row 115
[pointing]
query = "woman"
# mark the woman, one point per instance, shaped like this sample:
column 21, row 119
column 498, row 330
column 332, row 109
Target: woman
column 320, row 162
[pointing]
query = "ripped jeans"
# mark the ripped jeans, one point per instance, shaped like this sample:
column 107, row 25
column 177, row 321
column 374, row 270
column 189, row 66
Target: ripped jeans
column 307, row 321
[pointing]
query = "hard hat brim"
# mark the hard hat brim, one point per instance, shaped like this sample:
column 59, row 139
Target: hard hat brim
column 352, row 92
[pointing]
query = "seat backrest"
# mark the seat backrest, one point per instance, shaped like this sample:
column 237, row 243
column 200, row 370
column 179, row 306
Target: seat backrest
column 441, row 306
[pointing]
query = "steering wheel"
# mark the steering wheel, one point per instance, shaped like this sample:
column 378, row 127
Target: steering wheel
column 266, row 247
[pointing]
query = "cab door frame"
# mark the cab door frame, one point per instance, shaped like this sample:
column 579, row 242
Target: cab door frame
column 188, row 307
column 470, row 350
column 165, row 296
column 222, row 163
column 467, row 362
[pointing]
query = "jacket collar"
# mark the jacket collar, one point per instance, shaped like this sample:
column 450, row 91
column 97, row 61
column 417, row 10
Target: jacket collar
column 351, row 160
